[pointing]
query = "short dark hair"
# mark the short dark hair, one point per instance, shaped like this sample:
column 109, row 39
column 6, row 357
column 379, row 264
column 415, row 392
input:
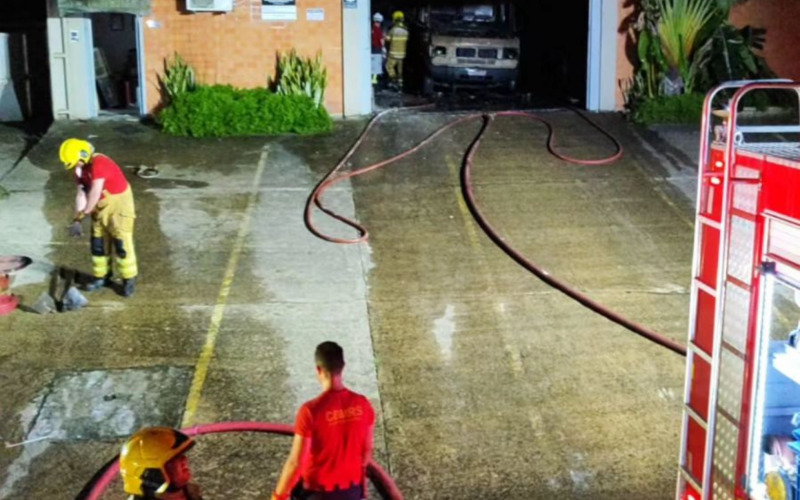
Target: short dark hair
column 330, row 357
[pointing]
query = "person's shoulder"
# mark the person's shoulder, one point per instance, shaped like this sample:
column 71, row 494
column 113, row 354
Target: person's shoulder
column 359, row 397
column 103, row 161
column 312, row 404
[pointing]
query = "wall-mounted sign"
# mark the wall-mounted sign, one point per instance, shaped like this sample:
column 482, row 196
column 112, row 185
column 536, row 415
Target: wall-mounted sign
column 74, row 36
column 315, row 14
column 350, row 4
column 279, row 10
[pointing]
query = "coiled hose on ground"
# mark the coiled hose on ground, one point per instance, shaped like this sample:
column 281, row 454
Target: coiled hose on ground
column 336, row 176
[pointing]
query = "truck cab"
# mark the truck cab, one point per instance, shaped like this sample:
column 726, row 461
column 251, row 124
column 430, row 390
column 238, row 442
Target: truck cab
column 471, row 45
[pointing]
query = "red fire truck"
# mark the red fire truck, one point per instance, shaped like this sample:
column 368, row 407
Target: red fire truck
column 741, row 421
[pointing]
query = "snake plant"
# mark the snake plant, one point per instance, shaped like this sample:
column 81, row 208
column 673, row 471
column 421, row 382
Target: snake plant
column 302, row 76
column 179, row 77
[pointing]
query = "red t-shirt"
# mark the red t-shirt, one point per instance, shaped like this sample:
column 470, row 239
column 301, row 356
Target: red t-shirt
column 377, row 38
column 103, row 167
column 338, row 423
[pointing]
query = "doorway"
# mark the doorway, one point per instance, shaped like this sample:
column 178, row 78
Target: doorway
column 116, row 63
column 96, row 65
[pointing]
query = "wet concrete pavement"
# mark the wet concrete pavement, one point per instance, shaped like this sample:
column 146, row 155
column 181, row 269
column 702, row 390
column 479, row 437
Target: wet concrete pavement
column 488, row 383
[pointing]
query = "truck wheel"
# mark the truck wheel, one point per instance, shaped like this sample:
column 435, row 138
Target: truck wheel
column 428, row 87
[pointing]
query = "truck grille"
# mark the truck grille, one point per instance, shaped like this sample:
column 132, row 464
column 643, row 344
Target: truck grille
column 471, row 53
column 484, row 62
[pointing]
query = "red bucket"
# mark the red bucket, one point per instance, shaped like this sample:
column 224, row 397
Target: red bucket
column 8, row 303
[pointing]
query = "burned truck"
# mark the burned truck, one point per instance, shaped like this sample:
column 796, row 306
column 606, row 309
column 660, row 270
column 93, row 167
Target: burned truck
column 472, row 45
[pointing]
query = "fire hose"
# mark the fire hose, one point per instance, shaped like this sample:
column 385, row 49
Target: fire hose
column 336, row 176
column 377, row 475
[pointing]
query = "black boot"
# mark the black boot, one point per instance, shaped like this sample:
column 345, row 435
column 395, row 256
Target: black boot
column 98, row 284
column 128, row 287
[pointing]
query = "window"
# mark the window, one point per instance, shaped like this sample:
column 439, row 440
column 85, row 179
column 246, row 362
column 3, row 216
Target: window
column 775, row 438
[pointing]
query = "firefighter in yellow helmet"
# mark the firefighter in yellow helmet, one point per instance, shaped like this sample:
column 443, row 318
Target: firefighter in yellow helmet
column 154, row 466
column 397, row 40
column 104, row 194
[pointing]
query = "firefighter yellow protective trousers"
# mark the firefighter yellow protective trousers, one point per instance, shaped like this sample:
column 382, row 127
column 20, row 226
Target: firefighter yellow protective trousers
column 112, row 231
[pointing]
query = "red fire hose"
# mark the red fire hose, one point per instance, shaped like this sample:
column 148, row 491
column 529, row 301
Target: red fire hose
column 379, row 477
column 466, row 180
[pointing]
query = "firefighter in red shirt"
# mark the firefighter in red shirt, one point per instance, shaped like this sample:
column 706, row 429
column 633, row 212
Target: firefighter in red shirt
column 378, row 47
column 333, row 439
column 105, row 195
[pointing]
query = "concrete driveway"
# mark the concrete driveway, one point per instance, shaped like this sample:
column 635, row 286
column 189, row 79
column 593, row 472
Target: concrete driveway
column 488, row 383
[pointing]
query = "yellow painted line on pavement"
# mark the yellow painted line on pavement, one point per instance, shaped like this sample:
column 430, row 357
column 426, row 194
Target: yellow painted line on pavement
column 515, row 357
column 469, row 223
column 207, row 354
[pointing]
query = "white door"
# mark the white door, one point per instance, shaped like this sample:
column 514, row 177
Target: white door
column 142, row 96
column 72, row 75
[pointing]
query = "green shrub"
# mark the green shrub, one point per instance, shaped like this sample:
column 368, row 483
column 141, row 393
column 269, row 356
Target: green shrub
column 679, row 109
column 224, row 111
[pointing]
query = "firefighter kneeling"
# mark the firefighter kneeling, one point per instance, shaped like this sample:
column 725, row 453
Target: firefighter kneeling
column 154, row 466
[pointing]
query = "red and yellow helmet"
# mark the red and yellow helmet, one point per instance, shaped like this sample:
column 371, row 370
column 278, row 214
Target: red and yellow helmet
column 142, row 463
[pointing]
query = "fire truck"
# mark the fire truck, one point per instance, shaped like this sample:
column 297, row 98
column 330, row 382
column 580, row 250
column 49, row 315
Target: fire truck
column 741, row 419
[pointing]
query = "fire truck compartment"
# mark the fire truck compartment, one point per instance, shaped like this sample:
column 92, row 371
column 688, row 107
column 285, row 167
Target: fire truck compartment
column 777, row 396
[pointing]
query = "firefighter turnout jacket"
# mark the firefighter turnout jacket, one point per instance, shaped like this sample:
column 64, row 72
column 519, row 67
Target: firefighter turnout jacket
column 398, row 41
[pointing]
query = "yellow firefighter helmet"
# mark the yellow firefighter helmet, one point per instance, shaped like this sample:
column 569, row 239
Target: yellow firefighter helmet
column 75, row 150
column 398, row 16
column 144, row 457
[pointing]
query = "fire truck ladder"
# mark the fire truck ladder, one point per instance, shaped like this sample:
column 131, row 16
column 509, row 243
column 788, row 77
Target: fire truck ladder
column 722, row 301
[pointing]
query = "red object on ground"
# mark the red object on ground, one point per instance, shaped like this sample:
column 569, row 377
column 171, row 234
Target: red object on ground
column 334, row 177
column 8, row 303
column 379, row 477
column 338, row 438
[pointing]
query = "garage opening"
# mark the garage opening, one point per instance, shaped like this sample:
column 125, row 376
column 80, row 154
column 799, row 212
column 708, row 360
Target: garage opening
column 532, row 53
column 116, row 63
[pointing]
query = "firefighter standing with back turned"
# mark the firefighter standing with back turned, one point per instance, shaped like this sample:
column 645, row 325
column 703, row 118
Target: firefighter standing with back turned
column 397, row 39
column 333, row 439
column 105, row 195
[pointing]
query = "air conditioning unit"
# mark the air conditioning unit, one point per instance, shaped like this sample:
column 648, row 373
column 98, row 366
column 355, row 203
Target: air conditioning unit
column 209, row 5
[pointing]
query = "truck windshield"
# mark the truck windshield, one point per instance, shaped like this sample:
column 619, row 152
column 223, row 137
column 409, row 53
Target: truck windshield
column 466, row 14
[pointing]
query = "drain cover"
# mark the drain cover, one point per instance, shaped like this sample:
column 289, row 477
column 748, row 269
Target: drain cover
column 110, row 404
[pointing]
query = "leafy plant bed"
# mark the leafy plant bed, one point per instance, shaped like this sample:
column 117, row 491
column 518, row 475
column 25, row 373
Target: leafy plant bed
column 225, row 111
column 679, row 109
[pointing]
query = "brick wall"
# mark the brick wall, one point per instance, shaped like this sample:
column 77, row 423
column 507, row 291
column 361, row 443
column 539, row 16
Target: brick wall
column 780, row 18
column 238, row 48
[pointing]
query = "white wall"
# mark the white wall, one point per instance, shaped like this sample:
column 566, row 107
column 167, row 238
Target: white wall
column 602, row 74
column 357, row 66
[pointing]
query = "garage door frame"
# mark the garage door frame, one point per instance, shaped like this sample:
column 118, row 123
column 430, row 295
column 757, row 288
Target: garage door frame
column 601, row 90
